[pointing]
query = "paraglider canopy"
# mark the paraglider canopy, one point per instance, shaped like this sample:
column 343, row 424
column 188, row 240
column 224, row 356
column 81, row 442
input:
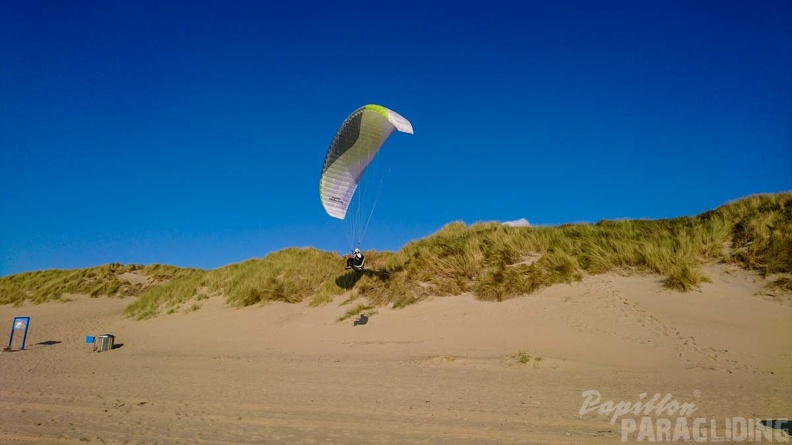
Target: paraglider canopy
column 352, row 150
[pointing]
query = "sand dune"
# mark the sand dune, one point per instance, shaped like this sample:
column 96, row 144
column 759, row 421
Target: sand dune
column 441, row 371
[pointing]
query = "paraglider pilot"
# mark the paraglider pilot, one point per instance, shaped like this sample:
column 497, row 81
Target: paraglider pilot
column 356, row 261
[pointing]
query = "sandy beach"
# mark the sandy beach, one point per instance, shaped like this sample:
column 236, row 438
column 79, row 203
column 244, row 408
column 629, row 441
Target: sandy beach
column 450, row 370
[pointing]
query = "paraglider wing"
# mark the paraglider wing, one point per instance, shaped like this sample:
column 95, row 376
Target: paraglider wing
column 352, row 150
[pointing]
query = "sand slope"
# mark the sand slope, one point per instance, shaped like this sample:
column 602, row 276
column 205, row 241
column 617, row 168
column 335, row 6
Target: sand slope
column 441, row 371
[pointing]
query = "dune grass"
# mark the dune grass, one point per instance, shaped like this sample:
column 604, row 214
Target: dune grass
column 783, row 284
column 492, row 261
column 524, row 358
column 288, row 275
column 100, row 281
column 357, row 310
column 685, row 278
column 489, row 260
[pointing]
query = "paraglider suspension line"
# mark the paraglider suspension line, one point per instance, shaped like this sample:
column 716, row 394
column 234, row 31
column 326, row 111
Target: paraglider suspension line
column 373, row 206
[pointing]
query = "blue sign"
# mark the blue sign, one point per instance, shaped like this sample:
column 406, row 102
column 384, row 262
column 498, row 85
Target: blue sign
column 19, row 324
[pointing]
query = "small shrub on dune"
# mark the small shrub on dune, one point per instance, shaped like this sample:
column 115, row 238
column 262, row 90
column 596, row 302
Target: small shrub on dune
column 685, row 278
column 523, row 358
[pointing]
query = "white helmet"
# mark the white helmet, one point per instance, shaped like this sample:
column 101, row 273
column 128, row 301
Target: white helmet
column 357, row 250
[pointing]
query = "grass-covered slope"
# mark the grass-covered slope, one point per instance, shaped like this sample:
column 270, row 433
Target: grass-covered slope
column 490, row 260
column 288, row 275
column 107, row 280
column 497, row 262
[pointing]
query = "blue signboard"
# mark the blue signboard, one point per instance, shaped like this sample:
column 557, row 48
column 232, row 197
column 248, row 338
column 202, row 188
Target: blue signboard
column 20, row 323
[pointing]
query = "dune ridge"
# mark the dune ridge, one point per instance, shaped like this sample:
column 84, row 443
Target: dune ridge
column 488, row 260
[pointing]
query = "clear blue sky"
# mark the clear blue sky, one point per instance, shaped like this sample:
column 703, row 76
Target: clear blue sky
column 193, row 133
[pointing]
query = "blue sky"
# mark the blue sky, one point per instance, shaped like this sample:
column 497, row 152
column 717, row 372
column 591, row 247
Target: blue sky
column 193, row 133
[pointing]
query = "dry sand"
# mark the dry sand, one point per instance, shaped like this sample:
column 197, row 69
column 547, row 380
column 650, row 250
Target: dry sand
column 442, row 371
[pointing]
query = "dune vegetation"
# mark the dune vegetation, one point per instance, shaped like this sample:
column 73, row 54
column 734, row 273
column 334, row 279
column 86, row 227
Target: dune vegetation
column 489, row 260
column 108, row 280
